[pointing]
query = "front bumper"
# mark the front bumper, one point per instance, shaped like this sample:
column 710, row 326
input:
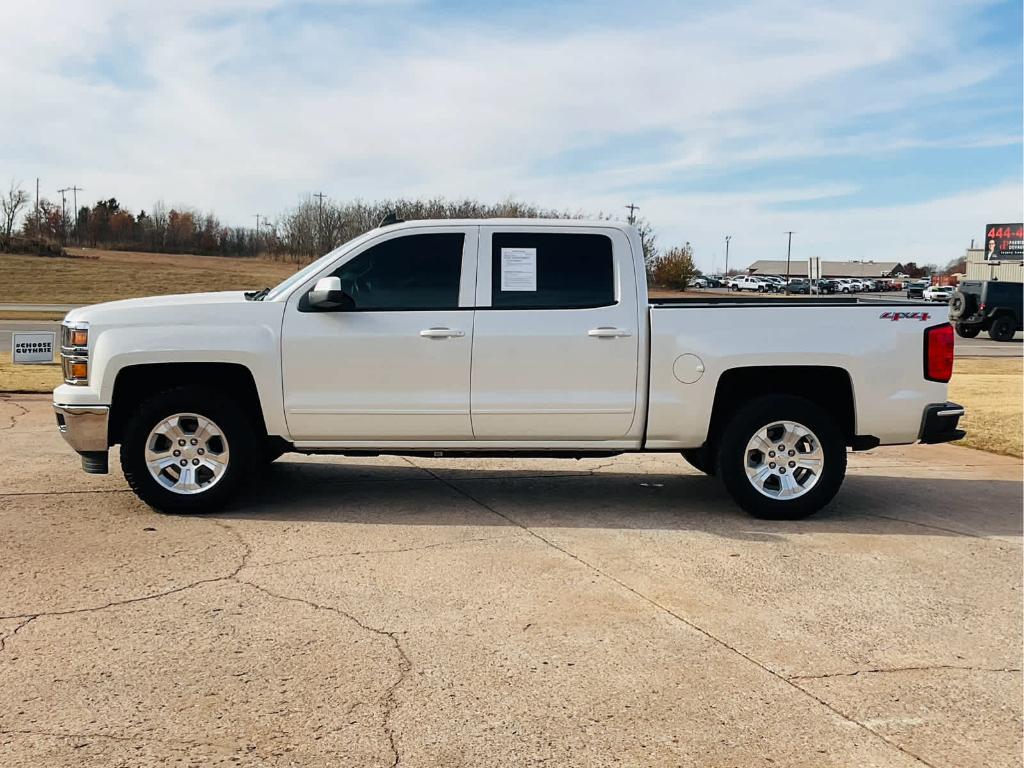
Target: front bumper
column 85, row 429
column 938, row 425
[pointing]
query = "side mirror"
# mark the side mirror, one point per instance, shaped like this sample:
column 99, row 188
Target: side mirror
column 327, row 294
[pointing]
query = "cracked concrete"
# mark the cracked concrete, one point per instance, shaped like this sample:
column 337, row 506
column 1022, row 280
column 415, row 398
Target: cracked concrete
column 399, row 612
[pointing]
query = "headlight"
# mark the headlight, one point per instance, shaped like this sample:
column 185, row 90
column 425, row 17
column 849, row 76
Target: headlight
column 74, row 352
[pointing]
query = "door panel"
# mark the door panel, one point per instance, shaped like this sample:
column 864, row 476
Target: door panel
column 555, row 373
column 382, row 371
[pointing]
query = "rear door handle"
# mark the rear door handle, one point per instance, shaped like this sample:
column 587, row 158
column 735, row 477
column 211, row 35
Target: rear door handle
column 441, row 333
column 608, row 333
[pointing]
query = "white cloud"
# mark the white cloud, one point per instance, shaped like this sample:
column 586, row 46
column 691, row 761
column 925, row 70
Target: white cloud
column 218, row 104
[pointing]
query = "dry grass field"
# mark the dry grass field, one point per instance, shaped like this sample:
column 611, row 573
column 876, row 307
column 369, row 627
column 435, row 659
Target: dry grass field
column 27, row 378
column 992, row 391
column 107, row 275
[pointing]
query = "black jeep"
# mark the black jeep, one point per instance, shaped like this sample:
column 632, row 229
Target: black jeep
column 990, row 305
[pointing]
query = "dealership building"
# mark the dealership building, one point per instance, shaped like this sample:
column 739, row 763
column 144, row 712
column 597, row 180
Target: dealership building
column 862, row 269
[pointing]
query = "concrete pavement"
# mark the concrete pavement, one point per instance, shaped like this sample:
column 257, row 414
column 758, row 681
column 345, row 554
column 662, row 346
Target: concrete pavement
column 503, row 613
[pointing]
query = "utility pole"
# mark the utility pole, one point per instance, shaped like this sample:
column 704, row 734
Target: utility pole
column 39, row 233
column 320, row 219
column 789, row 250
column 63, row 214
column 727, row 239
column 74, row 190
column 632, row 212
column 256, row 240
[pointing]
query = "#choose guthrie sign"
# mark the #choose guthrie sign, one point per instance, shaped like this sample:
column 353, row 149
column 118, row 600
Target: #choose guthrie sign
column 1004, row 241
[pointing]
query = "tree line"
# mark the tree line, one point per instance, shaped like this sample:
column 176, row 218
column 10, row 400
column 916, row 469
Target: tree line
column 305, row 232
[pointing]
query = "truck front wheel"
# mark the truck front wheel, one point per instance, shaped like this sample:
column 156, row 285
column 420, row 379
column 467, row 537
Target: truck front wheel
column 186, row 450
column 782, row 457
column 967, row 331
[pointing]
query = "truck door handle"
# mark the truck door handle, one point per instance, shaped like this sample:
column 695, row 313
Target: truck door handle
column 608, row 333
column 441, row 333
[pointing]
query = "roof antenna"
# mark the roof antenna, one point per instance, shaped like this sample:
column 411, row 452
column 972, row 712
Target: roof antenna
column 391, row 217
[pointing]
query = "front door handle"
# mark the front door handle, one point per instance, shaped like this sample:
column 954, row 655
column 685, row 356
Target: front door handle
column 441, row 333
column 608, row 333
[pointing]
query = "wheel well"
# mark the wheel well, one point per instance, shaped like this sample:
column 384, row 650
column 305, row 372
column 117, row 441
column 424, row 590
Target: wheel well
column 137, row 382
column 829, row 388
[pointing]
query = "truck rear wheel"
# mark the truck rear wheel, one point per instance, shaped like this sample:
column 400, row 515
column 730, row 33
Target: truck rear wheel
column 186, row 450
column 782, row 457
column 1003, row 328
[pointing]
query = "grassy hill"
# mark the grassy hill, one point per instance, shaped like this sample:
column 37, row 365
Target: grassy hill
column 95, row 275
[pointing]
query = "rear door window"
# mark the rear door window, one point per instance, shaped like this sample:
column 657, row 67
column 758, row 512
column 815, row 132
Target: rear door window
column 551, row 271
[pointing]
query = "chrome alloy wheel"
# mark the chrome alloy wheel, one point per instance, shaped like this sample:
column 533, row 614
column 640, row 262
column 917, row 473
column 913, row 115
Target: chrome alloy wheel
column 783, row 460
column 187, row 453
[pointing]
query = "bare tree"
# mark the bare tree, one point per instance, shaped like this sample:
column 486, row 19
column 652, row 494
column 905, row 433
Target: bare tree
column 11, row 204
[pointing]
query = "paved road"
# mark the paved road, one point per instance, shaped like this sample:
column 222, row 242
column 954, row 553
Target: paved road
column 38, row 307
column 9, row 326
column 376, row 612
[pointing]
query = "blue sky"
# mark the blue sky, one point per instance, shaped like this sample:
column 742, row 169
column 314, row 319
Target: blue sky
column 873, row 129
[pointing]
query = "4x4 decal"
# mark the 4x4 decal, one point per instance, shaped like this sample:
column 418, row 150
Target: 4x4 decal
column 894, row 316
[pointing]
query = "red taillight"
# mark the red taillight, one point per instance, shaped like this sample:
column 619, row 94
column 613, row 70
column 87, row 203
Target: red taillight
column 938, row 352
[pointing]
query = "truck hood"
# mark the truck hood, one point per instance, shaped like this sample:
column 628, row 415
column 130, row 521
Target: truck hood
column 174, row 301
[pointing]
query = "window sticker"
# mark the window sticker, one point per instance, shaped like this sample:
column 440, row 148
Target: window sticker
column 519, row 269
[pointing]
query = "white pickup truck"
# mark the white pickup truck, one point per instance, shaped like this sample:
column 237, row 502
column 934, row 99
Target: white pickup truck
column 498, row 338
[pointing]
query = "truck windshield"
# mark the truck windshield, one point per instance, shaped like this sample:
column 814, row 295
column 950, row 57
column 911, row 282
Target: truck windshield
column 312, row 268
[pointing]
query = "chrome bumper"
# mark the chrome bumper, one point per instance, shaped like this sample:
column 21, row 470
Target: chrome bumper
column 83, row 426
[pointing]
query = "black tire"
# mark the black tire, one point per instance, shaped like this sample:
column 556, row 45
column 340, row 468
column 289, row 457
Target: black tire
column 1003, row 328
column 962, row 305
column 754, row 416
column 700, row 459
column 967, row 331
column 229, row 417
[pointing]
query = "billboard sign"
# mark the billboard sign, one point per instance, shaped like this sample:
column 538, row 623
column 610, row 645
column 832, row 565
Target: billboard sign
column 1004, row 241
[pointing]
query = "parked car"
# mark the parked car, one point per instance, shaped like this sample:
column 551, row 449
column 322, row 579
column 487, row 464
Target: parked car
column 825, row 286
column 774, row 283
column 749, row 283
column 916, row 290
column 469, row 338
column 992, row 305
column 937, row 293
column 699, row 282
column 799, row 286
column 845, row 285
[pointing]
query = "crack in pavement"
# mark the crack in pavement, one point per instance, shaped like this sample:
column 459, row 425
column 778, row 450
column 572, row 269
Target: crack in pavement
column 687, row 622
column 389, row 700
column 16, row 630
column 883, row 670
column 14, row 417
column 246, row 552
